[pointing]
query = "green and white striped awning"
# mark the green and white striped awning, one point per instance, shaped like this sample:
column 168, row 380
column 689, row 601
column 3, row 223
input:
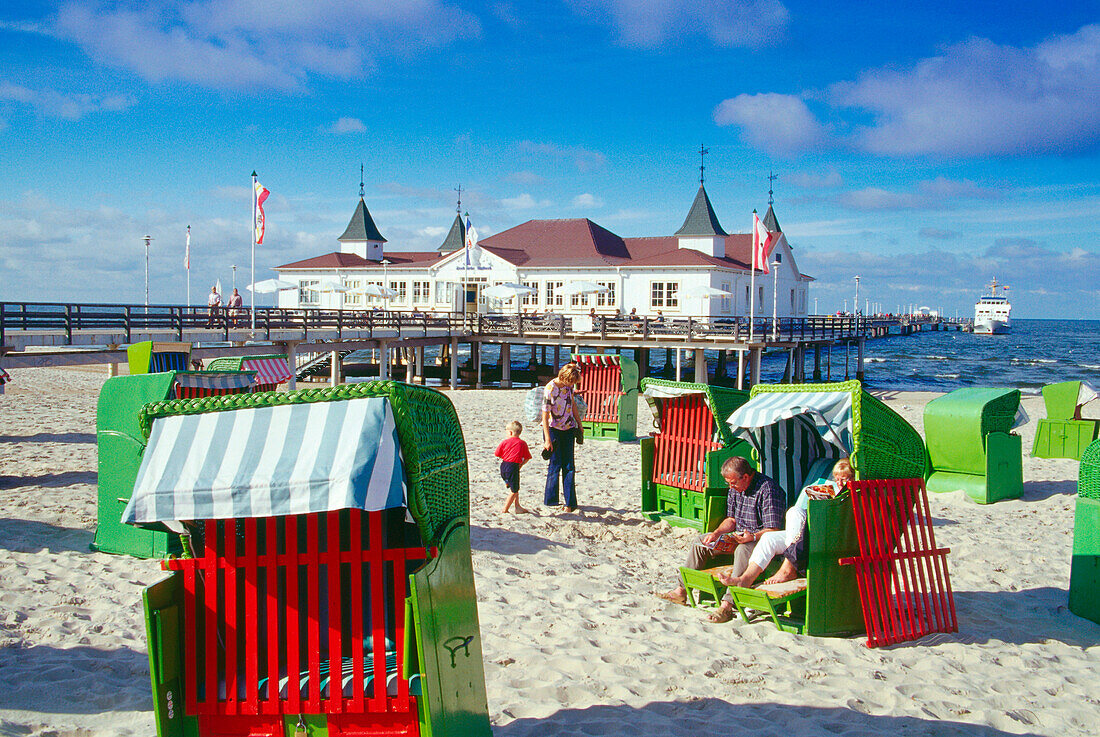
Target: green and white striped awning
column 829, row 412
column 270, row 461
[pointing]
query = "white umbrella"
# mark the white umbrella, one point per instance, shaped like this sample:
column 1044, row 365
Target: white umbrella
column 583, row 287
column 376, row 290
column 704, row 292
column 270, row 285
column 334, row 286
column 506, row 291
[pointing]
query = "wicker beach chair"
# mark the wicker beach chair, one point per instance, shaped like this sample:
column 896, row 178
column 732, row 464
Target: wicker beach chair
column 1084, row 577
column 1063, row 433
column 121, row 445
column 331, row 591
column 682, row 461
column 151, row 357
column 609, row 387
column 971, row 445
column 271, row 370
column 792, row 429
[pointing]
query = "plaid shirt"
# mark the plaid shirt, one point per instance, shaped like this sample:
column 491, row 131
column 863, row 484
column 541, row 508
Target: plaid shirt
column 762, row 506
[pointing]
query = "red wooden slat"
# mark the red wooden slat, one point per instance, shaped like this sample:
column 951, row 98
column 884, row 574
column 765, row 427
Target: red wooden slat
column 293, row 629
column 272, row 608
column 335, row 667
column 210, row 633
column 399, row 574
column 377, row 612
column 313, row 644
column 191, row 676
column 229, row 618
column 251, row 614
column 355, row 611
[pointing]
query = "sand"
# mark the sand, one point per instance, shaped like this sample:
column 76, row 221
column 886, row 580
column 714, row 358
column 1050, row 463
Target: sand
column 575, row 642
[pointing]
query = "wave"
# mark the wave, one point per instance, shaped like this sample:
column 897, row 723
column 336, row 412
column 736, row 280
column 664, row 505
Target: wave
column 947, row 376
column 874, row 360
column 937, row 358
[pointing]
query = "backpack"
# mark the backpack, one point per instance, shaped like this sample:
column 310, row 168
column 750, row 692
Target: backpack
column 532, row 405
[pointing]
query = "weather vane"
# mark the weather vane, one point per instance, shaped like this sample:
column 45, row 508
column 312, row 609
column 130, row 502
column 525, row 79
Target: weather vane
column 458, row 208
column 771, row 183
column 360, row 180
column 702, row 152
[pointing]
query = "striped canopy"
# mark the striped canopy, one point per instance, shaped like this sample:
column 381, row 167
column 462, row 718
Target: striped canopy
column 268, row 370
column 790, row 430
column 270, row 461
column 213, row 380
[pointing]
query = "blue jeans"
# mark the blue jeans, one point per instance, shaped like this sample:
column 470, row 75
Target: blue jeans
column 561, row 461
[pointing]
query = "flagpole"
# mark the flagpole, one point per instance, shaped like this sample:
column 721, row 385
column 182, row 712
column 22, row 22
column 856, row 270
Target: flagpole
column 188, row 265
column 752, row 278
column 252, row 299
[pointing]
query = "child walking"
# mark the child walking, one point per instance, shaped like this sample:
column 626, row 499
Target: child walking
column 513, row 453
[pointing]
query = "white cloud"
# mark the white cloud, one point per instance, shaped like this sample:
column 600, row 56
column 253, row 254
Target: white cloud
column 64, row 105
column 816, row 180
column 245, row 44
column 779, row 124
column 939, row 234
column 523, row 202
column 931, row 194
column 587, row 200
column 526, row 178
column 584, row 159
column 348, row 125
column 653, row 23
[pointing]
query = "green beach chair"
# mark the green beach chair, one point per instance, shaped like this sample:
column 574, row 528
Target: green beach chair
column 1084, row 576
column 796, row 433
column 152, row 357
column 1063, row 433
column 971, row 445
column 681, row 463
column 331, row 591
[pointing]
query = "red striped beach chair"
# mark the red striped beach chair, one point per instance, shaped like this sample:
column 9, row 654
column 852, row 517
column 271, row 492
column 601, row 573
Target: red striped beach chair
column 609, row 386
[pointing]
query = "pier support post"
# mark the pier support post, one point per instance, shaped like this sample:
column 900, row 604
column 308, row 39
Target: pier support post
column 641, row 357
column 475, row 350
column 419, row 353
column 557, row 358
column 290, row 348
column 453, row 361
column 668, row 362
column 756, row 353
column 859, row 358
column 847, row 359
column 505, row 365
column 679, row 376
column 383, row 360
column 741, row 370
column 334, row 368
column 700, row 366
column 410, row 365
column 817, row 362
column 720, row 367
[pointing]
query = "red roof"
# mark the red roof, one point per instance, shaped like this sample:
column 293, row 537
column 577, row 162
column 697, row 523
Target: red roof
column 573, row 242
column 355, row 261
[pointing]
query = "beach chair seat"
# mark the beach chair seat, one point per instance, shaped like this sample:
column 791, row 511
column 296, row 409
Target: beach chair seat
column 704, row 583
column 783, row 603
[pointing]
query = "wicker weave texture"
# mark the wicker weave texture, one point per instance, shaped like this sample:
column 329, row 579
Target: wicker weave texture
column 1088, row 477
column 427, row 427
column 886, row 446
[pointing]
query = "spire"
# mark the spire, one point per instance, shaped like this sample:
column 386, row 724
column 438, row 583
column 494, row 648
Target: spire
column 770, row 222
column 361, row 180
column 456, row 237
column 701, row 219
column 361, row 227
column 702, row 152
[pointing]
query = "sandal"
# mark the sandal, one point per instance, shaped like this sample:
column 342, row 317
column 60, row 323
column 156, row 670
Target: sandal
column 720, row 616
column 670, row 597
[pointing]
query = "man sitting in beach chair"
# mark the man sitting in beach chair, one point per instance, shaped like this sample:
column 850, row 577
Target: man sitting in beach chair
column 789, row 542
column 754, row 508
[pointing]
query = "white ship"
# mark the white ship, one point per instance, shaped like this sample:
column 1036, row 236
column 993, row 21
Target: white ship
column 991, row 312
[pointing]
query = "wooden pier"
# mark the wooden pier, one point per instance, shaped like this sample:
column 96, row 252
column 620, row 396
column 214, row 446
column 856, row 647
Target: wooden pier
column 57, row 334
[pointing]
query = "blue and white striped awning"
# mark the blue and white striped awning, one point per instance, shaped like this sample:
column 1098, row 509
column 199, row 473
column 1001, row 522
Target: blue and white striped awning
column 829, row 412
column 270, row 461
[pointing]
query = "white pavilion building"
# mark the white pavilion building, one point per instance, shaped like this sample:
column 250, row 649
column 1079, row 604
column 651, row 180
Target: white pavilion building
column 646, row 275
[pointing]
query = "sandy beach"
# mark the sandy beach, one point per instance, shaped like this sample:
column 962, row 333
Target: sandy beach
column 575, row 641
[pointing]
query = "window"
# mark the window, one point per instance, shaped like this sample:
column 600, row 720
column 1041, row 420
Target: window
column 664, row 294
column 400, row 288
column 578, row 300
column 748, row 298
column 445, row 292
column 792, row 300
column 308, row 294
column 350, row 299
column 760, row 298
column 553, row 296
column 606, row 299
column 421, row 292
column 725, row 306
column 533, row 298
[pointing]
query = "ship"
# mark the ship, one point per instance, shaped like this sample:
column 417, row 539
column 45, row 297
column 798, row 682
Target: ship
column 992, row 311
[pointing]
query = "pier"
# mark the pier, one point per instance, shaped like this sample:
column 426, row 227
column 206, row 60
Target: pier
column 316, row 341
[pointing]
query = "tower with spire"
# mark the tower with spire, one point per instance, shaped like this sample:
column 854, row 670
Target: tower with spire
column 456, row 236
column 701, row 230
column 361, row 237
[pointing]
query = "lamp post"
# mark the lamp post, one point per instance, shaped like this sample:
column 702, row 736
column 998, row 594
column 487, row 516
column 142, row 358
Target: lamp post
column 234, row 267
column 385, row 285
column 775, row 300
column 147, row 239
column 815, row 305
column 855, row 305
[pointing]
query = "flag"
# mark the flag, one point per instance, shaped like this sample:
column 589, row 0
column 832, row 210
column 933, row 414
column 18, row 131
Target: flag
column 473, row 251
column 761, row 244
column 187, row 250
column 261, row 196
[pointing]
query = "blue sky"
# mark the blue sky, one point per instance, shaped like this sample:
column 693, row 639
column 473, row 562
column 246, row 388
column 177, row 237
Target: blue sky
column 926, row 148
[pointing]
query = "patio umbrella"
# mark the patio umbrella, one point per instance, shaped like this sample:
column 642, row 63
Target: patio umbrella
column 270, row 285
column 506, row 291
column 704, row 292
column 583, row 287
column 334, row 286
column 376, row 290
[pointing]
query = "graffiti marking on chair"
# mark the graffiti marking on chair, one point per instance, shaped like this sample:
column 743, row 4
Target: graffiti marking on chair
column 457, row 643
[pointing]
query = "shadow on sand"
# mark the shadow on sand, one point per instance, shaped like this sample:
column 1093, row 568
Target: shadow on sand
column 1037, row 491
column 1029, row 616
column 714, row 716
column 30, row 536
column 507, row 542
column 50, row 437
column 65, row 478
column 74, row 680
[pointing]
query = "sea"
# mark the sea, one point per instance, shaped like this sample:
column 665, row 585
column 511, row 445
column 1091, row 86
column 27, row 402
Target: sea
column 1035, row 353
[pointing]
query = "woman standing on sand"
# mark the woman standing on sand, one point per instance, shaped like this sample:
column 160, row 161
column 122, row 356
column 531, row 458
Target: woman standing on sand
column 560, row 424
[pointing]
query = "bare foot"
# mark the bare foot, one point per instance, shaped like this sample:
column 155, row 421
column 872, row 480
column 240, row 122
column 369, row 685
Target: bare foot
column 732, row 580
column 521, row 510
column 786, row 572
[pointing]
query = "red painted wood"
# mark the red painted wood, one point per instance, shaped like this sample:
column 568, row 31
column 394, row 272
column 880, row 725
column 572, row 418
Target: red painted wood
column 335, row 622
column 313, row 635
column 293, row 629
column 377, row 614
column 251, row 615
column 358, row 702
column 272, row 609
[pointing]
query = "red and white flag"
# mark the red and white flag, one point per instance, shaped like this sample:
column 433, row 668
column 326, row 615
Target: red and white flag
column 761, row 244
column 187, row 250
column 261, row 196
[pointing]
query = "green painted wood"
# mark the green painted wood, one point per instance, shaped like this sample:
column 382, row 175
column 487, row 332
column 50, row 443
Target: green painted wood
column 832, row 595
column 1061, row 399
column 163, row 605
column 1063, row 438
column 447, row 630
column 1084, row 576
